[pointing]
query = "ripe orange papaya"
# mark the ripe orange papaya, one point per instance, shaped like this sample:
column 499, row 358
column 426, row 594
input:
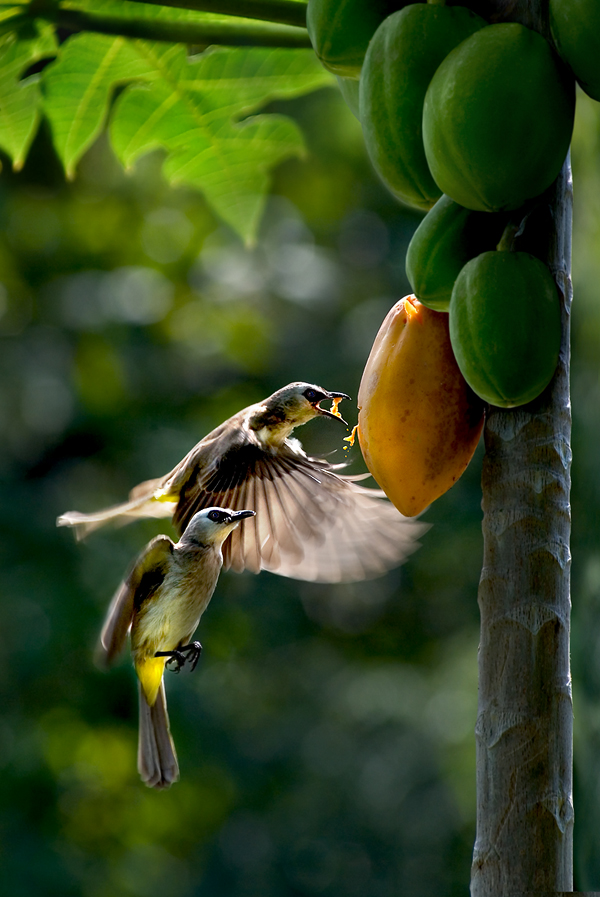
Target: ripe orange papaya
column 505, row 326
column 497, row 118
column 575, row 26
column 401, row 60
column 419, row 422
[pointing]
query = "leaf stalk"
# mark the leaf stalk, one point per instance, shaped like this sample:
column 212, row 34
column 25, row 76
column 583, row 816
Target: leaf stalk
column 229, row 34
column 281, row 12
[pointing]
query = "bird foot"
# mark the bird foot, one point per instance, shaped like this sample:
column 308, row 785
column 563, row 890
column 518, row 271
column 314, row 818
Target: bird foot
column 192, row 654
column 178, row 658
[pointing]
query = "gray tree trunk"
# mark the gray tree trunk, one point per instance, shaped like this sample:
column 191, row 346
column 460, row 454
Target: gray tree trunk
column 524, row 725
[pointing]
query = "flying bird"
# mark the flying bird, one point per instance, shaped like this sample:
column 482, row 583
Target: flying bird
column 312, row 523
column 160, row 604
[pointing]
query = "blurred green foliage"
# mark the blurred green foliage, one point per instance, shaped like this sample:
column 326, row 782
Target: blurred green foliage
column 326, row 738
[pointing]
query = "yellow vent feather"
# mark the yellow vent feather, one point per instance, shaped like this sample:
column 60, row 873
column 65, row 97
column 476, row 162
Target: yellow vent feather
column 150, row 672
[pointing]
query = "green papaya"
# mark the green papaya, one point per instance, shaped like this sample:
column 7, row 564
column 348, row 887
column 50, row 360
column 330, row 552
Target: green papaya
column 575, row 26
column 446, row 239
column 340, row 31
column 401, row 60
column 349, row 90
column 505, row 326
column 498, row 118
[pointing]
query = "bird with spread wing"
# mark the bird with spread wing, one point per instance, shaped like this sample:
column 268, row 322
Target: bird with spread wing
column 312, row 522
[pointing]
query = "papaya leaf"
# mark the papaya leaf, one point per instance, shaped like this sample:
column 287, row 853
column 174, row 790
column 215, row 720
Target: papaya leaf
column 228, row 162
column 78, row 88
column 195, row 108
column 20, row 99
column 194, row 113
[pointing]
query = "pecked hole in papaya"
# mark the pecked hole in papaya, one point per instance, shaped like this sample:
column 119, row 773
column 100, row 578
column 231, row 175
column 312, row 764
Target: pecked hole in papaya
column 411, row 310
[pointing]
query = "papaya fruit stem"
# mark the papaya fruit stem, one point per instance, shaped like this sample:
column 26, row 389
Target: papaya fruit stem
column 437, row 2
column 507, row 240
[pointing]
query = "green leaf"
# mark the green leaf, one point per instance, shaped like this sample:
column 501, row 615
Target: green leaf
column 194, row 112
column 195, row 108
column 20, row 99
column 228, row 162
column 78, row 87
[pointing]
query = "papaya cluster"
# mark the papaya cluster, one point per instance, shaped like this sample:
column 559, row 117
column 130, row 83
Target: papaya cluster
column 470, row 122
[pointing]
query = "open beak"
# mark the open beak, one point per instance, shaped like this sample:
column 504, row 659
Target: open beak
column 240, row 515
column 326, row 413
column 337, row 395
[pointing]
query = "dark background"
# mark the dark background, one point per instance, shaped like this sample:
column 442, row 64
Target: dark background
column 326, row 738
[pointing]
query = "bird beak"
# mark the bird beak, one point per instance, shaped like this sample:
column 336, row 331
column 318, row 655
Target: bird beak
column 240, row 515
column 323, row 411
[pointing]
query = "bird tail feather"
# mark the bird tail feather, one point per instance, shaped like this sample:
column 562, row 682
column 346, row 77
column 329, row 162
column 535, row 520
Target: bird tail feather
column 157, row 759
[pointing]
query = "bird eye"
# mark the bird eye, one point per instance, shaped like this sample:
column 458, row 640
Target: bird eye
column 311, row 395
column 215, row 516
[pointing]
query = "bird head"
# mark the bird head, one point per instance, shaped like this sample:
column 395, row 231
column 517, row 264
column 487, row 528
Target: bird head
column 292, row 406
column 211, row 526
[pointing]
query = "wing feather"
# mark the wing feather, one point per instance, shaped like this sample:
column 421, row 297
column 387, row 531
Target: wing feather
column 311, row 522
column 233, row 549
column 280, row 535
column 146, row 575
column 263, row 522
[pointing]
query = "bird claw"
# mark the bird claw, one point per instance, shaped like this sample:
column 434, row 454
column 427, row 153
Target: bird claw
column 178, row 658
column 192, row 654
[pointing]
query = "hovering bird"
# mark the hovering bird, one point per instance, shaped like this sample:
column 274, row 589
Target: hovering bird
column 160, row 603
column 311, row 523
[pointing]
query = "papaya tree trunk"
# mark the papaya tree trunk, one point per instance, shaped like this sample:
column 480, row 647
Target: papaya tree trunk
column 524, row 723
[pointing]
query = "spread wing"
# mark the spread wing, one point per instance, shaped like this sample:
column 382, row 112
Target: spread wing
column 146, row 575
column 152, row 498
column 311, row 523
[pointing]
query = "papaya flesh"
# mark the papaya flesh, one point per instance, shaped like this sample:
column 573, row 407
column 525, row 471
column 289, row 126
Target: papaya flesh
column 575, row 26
column 340, row 31
column 498, row 118
column 446, row 239
column 505, row 326
column 419, row 423
column 402, row 58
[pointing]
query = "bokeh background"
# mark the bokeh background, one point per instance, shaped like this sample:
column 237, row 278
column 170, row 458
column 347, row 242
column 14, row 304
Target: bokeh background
column 326, row 738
